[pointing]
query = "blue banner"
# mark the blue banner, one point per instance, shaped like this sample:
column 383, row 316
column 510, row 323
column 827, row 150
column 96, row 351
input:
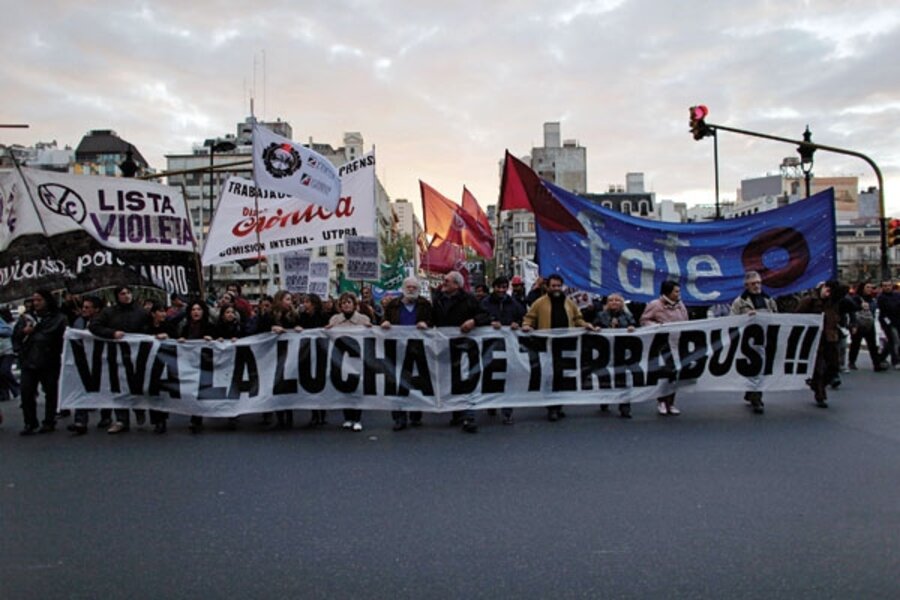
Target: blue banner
column 605, row 251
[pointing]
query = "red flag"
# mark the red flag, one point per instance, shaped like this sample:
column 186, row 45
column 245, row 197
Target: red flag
column 448, row 220
column 443, row 257
column 522, row 188
column 470, row 205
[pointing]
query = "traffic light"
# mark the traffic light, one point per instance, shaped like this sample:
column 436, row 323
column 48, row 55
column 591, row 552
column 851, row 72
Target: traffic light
column 893, row 233
column 699, row 128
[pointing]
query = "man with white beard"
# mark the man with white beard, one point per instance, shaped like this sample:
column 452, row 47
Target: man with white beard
column 409, row 310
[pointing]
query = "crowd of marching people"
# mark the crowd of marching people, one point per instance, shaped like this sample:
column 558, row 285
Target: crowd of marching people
column 32, row 340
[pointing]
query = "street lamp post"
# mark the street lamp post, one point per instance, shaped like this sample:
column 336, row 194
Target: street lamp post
column 214, row 146
column 806, row 151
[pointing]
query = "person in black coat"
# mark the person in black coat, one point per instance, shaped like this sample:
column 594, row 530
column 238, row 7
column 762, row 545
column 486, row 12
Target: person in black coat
column 454, row 307
column 113, row 323
column 162, row 329
column 505, row 311
column 40, row 343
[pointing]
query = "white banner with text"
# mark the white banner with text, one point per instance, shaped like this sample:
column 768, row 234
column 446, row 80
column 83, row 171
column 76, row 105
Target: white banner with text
column 438, row 370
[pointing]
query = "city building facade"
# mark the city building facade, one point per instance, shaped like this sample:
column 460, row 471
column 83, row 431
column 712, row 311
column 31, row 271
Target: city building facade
column 201, row 189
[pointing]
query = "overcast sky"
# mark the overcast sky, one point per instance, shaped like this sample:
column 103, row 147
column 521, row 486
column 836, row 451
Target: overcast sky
column 443, row 88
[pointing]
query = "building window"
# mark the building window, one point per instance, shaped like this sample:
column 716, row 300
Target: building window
column 323, row 251
column 643, row 207
column 626, row 207
column 607, row 204
column 339, row 250
column 529, row 227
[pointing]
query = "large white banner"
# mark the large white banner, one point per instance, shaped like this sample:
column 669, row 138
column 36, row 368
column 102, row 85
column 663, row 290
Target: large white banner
column 285, row 167
column 285, row 223
column 86, row 232
column 440, row 369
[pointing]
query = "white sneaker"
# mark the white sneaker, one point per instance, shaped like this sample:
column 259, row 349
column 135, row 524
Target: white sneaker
column 661, row 408
column 347, row 425
column 674, row 411
column 357, row 426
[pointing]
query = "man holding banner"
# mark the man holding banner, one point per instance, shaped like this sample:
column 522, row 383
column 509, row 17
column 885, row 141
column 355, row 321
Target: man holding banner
column 455, row 307
column 410, row 310
column 554, row 311
column 753, row 300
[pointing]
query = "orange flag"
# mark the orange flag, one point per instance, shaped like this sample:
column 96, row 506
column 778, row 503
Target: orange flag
column 446, row 219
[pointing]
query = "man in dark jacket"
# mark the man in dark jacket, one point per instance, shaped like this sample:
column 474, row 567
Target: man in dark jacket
column 454, row 307
column 91, row 306
column 889, row 316
column 40, row 339
column 411, row 310
column 504, row 310
column 113, row 323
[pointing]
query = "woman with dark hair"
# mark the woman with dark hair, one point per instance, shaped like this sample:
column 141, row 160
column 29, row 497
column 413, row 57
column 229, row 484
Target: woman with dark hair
column 668, row 308
column 197, row 326
column 228, row 327
column 284, row 318
column 350, row 316
column 314, row 317
column 40, row 339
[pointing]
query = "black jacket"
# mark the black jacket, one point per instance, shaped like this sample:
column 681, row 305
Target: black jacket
column 505, row 309
column 42, row 348
column 129, row 318
column 453, row 311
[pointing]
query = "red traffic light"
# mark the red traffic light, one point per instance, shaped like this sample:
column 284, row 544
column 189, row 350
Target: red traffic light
column 893, row 233
column 699, row 129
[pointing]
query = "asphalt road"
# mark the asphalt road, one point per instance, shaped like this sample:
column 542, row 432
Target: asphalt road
column 717, row 503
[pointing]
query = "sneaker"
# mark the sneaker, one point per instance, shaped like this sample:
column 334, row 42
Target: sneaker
column 347, row 425
column 674, row 411
column 104, row 424
column 160, row 427
column 661, row 408
column 140, row 417
column 553, row 416
column 47, row 428
column 469, row 426
column 117, row 427
column 508, row 420
column 357, row 426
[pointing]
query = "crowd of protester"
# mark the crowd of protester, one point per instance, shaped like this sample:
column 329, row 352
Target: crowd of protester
column 32, row 340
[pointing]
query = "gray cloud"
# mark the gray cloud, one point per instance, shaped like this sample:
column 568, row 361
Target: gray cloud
column 443, row 89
